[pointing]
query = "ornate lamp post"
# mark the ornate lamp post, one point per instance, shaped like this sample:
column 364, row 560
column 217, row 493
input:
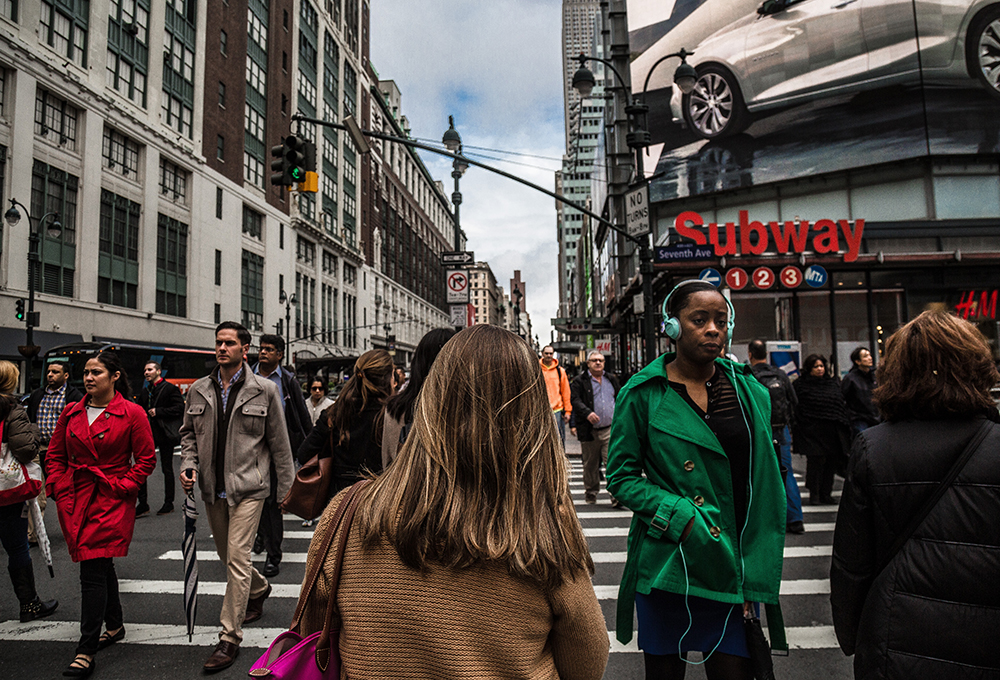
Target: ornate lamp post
column 289, row 302
column 12, row 217
column 453, row 142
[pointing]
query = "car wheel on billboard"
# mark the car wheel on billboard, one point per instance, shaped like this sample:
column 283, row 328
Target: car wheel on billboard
column 982, row 50
column 715, row 106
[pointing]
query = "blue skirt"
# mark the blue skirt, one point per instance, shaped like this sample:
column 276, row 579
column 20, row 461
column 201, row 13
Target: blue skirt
column 663, row 618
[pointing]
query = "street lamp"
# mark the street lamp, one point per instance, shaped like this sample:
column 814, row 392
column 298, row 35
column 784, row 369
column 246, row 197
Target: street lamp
column 638, row 139
column 516, row 294
column 453, row 142
column 54, row 229
column 288, row 301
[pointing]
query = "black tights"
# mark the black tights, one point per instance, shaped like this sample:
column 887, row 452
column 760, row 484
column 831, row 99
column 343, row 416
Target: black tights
column 718, row 667
column 100, row 603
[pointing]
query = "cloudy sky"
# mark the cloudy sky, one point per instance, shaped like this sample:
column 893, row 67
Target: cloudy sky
column 495, row 66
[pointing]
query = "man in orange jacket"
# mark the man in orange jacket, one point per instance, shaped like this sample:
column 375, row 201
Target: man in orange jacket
column 557, row 385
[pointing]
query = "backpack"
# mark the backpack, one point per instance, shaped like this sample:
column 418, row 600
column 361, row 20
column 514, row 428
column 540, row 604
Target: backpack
column 769, row 377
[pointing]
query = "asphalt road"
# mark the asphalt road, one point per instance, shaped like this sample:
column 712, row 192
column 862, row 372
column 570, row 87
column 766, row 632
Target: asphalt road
column 157, row 647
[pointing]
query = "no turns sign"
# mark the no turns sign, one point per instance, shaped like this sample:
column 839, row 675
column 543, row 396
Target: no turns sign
column 458, row 286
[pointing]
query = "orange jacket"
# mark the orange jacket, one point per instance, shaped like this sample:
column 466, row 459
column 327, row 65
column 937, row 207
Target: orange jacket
column 557, row 385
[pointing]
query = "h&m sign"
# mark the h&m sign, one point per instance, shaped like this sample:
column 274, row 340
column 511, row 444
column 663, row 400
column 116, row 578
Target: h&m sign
column 798, row 236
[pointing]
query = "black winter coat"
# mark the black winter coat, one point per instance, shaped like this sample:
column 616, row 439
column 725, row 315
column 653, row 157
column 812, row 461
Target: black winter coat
column 934, row 612
column 582, row 398
column 857, row 389
column 363, row 452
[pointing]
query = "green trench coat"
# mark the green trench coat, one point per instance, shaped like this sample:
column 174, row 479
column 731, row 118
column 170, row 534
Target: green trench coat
column 667, row 466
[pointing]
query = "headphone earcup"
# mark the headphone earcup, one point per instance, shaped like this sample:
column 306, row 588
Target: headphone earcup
column 672, row 328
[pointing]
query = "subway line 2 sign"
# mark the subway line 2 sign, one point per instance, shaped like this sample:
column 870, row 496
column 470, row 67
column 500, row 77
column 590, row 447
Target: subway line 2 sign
column 823, row 236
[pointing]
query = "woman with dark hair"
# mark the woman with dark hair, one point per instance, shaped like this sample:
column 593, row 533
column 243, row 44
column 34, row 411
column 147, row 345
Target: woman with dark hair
column 691, row 455
column 822, row 429
column 399, row 408
column 350, row 430
column 20, row 437
column 317, row 401
column 100, row 452
column 465, row 559
column 931, row 609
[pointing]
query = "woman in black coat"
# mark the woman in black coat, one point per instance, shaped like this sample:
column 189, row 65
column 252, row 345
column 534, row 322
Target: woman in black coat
column 933, row 609
column 822, row 428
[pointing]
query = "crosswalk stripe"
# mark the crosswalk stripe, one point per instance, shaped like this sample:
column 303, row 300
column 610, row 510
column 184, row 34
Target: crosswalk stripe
column 792, row 587
column 211, row 555
column 136, row 634
column 799, row 637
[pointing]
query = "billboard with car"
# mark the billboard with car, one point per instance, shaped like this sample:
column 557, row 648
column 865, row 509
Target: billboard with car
column 787, row 88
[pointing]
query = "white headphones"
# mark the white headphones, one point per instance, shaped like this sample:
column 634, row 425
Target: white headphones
column 672, row 325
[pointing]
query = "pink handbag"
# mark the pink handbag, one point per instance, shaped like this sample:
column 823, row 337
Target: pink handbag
column 316, row 657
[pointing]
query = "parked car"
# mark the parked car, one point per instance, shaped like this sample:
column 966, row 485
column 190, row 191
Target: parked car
column 792, row 51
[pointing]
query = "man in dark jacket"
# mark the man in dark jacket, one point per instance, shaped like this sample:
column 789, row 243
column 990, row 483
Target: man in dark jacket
column 783, row 403
column 857, row 387
column 45, row 404
column 592, row 395
column 299, row 424
column 164, row 406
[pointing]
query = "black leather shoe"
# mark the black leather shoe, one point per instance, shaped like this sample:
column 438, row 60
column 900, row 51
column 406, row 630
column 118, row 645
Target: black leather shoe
column 223, row 657
column 37, row 608
column 80, row 668
column 141, row 511
column 107, row 639
column 796, row 527
column 258, row 545
column 271, row 569
column 166, row 509
column 255, row 607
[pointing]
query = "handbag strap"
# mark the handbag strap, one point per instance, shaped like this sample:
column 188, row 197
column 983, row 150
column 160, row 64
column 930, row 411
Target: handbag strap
column 918, row 519
column 310, row 580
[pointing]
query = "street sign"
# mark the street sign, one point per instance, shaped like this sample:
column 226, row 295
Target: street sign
column 458, row 286
column 460, row 257
column 458, row 315
column 637, row 211
column 711, row 276
column 682, row 252
column 791, row 277
column 736, row 278
column 816, row 276
column 763, row 277
column 638, row 304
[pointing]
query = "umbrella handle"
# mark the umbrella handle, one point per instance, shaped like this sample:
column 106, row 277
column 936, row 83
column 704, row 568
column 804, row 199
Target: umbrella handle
column 52, row 574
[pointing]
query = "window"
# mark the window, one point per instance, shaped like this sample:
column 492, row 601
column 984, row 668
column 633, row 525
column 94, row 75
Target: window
column 308, row 15
column 255, row 27
column 253, row 223
column 222, row 95
column 252, row 291
column 121, row 154
column 8, row 8
column 178, row 66
column 173, row 181
column 118, row 256
column 307, row 51
column 218, row 202
column 220, row 147
column 3, row 180
column 350, row 275
column 171, row 266
column 305, row 251
column 329, row 263
column 54, row 190
column 307, row 206
column 328, row 314
column 307, row 90
column 64, row 29
column 218, row 313
column 128, row 49
column 223, row 42
column 305, row 312
column 218, row 267
column 350, row 89
column 55, row 119
column 253, row 163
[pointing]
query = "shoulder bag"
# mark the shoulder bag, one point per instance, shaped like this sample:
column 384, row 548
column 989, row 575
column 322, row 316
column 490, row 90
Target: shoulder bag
column 310, row 491
column 18, row 481
column 316, row 657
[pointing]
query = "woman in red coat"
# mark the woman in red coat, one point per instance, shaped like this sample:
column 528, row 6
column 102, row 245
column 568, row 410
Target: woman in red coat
column 100, row 452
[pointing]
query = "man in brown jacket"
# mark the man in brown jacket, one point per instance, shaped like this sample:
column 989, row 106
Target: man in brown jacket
column 233, row 432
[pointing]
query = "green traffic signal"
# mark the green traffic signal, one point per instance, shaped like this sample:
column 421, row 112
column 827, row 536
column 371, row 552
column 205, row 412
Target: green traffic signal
column 20, row 309
column 295, row 158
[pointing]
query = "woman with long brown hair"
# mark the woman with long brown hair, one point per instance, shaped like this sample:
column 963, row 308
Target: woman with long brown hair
column 929, row 609
column 466, row 559
column 351, row 430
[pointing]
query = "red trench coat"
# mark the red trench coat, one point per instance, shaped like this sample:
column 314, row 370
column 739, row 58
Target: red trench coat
column 93, row 479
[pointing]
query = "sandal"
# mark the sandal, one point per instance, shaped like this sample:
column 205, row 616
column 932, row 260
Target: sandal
column 81, row 667
column 108, row 638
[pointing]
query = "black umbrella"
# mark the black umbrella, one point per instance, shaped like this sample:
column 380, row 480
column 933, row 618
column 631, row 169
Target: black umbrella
column 189, row 548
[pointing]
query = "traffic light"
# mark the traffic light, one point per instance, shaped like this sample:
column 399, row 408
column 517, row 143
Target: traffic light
column 289, row 165
column 309, row 183
column 279, row 165
column 20, row 309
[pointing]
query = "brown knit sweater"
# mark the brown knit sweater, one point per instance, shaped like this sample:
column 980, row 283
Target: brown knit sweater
column 477, row 623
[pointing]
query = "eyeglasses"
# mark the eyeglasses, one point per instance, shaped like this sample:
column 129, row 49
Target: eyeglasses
column 316, row 389
column 597, row 361
column 268, row 350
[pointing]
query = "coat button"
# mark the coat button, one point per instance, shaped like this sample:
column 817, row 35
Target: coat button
column 100, row 436
column 699, row 501
column 107, row 415
column 715, row 531
column 689, row 465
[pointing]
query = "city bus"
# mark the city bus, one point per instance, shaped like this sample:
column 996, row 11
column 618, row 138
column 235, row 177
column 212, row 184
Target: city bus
column 180, row 366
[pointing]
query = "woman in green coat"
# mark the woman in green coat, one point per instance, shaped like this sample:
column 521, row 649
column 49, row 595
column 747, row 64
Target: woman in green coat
column 691, row 455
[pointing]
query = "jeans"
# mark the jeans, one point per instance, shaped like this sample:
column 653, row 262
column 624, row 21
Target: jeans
column 561, row 425
column 793, row 511
column 99, row 602
column 14, row 535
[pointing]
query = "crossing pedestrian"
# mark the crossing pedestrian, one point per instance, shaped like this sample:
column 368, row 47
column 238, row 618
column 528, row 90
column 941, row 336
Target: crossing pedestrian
column 399, row 407
column 21, row 439
column 318, row 400
column 783, row 404
column 557, row 387
column 822, row 428
column 351, row 431
column 44, row 406
column 234, row 429
column 691, row 455
column 857, row 388
column 593, row 397
column 270, row 531
column 164, row 406
column 914, row 584
column 465, row 559
column 100, row 453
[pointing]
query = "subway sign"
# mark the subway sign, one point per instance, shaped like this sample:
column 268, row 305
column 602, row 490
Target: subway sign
column 791, row 236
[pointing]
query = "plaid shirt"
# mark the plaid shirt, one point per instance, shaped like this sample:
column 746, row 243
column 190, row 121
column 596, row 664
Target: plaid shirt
column 225, row 390
column 49, row 408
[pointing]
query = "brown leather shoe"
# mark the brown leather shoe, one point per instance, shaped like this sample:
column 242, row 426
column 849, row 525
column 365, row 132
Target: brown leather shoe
column 255, row 607
column 223, row 657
